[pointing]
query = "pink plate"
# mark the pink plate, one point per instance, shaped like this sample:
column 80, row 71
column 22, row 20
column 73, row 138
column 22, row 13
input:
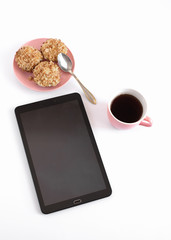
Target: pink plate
column 23, row 76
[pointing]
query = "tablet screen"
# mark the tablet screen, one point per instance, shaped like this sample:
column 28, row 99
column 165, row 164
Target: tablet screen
column 62, row 152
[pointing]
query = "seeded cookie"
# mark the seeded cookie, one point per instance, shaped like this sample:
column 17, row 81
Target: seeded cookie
column 27, row 58
column 46, row 74
column 51, row 48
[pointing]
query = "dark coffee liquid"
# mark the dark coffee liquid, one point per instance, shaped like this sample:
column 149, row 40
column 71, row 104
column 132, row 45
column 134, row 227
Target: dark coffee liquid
column 127, row 108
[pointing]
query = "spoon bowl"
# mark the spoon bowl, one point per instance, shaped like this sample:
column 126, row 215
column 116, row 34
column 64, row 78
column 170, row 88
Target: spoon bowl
column 64, row 62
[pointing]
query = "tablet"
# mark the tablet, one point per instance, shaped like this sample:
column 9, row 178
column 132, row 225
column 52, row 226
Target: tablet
column 62, row 153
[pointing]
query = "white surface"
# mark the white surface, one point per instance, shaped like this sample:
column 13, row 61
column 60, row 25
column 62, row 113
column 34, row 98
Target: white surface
column 116, row 44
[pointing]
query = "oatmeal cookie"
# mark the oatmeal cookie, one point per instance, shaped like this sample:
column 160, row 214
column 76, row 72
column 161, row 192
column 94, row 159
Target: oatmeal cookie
column 27, row 58
column 51, row 48
column 46, row 74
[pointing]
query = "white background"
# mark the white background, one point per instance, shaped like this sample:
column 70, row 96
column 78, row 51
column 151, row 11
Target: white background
column 116, row 44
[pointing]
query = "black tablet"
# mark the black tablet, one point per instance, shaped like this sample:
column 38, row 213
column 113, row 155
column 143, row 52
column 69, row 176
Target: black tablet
column 62, row 153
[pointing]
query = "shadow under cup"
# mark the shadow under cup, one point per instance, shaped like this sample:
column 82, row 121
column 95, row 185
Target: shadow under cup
column 128, row 109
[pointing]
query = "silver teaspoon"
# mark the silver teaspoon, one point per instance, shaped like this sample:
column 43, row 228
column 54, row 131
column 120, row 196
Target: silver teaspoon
column 65, row 64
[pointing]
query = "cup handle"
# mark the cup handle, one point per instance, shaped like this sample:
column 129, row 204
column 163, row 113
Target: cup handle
column 146, row 122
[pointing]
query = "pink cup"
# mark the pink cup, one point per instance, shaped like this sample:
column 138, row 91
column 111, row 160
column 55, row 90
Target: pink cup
column 144, row 120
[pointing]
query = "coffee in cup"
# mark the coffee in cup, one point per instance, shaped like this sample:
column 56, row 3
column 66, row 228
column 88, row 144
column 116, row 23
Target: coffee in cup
column 127, row 109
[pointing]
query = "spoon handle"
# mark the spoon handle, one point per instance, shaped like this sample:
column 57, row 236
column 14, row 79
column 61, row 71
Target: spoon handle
column 88, row 94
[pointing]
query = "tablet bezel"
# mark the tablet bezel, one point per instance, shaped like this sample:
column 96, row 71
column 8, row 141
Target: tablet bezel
column 74, row 201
